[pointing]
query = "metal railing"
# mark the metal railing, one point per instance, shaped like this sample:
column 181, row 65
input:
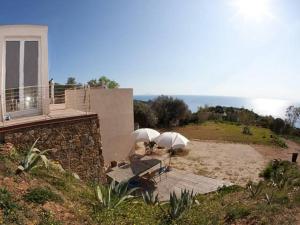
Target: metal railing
column 26, row 98
column 39, row 100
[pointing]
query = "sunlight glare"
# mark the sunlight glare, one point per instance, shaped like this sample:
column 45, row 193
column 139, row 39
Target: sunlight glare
column 254, row 10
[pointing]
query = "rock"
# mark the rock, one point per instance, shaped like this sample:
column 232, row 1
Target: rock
column 7, row 148
column 57, row 166
column 76, row 176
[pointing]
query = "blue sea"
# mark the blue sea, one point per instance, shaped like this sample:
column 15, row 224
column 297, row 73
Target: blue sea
column 261, row 106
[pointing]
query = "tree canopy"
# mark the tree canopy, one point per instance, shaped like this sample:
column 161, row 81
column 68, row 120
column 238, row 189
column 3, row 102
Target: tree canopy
column 170, row 111
column 144, row 116
column 292, row 115
column 71, row 81
column 103, row 81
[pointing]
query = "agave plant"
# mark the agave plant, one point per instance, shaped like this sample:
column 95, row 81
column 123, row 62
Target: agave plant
column 254, row 189
column 178, row 205
column 149, row 198
column 32, row 158
column 113, row 195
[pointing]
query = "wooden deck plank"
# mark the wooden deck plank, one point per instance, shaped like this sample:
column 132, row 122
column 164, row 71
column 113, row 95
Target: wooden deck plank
column 137, row 168
column 177, row 180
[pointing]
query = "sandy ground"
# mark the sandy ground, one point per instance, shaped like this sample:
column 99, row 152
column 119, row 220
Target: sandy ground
column 237, row 163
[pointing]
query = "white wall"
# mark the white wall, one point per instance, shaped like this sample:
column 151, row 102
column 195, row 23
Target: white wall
column 115, row 111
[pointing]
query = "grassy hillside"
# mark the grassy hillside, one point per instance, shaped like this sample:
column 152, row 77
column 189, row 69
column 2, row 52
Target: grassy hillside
column 229, row 132
column 52, row 196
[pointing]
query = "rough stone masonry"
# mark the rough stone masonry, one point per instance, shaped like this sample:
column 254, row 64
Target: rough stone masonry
column 75, row 143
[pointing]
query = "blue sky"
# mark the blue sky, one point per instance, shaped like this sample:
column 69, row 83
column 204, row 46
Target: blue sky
column 209, row 47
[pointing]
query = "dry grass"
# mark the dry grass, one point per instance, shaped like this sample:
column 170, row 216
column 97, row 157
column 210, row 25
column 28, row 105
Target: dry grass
column 227, row 132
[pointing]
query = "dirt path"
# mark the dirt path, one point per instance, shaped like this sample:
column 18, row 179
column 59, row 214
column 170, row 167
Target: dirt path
column 237, row 163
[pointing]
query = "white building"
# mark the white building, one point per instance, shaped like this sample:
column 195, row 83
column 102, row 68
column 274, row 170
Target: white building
column 24, row 70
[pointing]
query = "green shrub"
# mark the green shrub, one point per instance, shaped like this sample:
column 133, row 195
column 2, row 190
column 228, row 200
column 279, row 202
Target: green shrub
column 113, row 195
column 246, row 130
column 144, row 116
column 282, row 173
column 297, row 198
column 170, row 111
column 149, row 198
column 228, row 189
column 32, row 158
column 47, row 219
column 281, row 198
column 41, row 195
column 9, row 209
column 279, row 142
column 6, row 202
column 237, row 212
column 177, row 206
column 253, row 189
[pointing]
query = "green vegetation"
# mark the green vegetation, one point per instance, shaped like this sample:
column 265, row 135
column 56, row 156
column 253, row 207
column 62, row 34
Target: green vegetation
column 168, row 112
column 150, row 198
column 32, row 159
column 144, row 116
column 6, row 202
column 103, row 81
column 9, row 209
column 41, row 195
column 37, row 196
column 111, row 196
column 177, row 206
column 246, row 130
column 254, row 189
column 164, row 111
column 47, row 219
column 231, row 132
column 237, row 211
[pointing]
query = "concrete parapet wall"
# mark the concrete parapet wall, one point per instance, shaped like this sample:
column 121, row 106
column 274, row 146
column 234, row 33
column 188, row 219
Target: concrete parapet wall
column 115, row 112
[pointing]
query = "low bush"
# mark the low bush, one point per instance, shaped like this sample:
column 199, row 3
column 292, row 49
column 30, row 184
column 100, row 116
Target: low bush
column 246, row 130
column 150, row 198
column 279, row 142
column 9, row 209
column 41, row 195
column 237, row 211
column 32, row 159
column 113, row 195
column 47, row 219
column 177, row 206
column 282, row 172
column 229, row 189
column 253, row 189
column 6, row 202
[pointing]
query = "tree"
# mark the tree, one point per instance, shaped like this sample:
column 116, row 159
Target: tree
column 278, row 126
column 144, row 116
column 292, row 115
column 103, row 81
column 170, row 111
column 92, row 83
column 71, row 81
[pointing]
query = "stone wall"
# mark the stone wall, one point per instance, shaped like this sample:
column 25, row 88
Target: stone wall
column 75, row 141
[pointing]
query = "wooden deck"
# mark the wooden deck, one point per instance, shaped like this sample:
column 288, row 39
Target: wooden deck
column 136, row 168
column 177, row 180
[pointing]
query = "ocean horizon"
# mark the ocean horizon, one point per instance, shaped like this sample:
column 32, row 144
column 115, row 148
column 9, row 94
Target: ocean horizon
column 261, row 106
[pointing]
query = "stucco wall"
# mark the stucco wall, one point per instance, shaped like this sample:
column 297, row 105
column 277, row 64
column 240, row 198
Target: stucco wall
column 115, row 111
